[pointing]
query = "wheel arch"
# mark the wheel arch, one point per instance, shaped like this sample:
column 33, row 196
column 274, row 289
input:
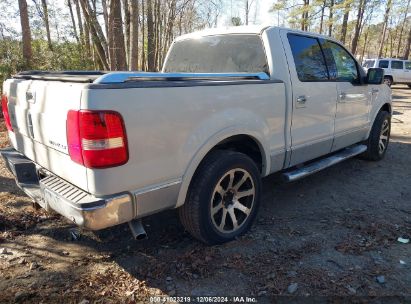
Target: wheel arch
column 384, row 107
column 248, row 143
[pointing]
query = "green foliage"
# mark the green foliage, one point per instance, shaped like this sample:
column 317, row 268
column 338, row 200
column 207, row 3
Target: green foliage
column 65, row 56
column 11, row 59
column 236, row 21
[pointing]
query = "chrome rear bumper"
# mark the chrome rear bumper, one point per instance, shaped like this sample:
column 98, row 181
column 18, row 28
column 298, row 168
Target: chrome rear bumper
column 53, row 193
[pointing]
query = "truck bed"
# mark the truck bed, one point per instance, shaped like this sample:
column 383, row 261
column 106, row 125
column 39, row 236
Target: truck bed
column 160, row 124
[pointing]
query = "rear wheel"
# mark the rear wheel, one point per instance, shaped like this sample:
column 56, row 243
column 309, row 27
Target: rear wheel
column 388, row 80
column 223, row 198
column 379, row 138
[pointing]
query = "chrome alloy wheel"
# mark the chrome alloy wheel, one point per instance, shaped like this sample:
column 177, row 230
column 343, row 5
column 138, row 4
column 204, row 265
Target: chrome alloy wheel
column 384, row 136
column 232, row 201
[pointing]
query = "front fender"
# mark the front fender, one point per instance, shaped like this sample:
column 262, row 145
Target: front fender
column 383, row 97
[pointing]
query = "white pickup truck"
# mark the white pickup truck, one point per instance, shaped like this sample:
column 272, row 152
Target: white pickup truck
column 229, row 107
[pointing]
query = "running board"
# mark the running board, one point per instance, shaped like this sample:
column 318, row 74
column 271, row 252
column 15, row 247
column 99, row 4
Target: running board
column 323, row 163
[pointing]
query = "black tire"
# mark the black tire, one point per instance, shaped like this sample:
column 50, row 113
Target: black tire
column 388, row 81
column 374, row 153
column 196, row 213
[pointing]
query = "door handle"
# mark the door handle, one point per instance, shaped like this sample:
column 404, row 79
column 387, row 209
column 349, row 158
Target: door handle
column 301, row 100
column 342, row 95
column 374, row 90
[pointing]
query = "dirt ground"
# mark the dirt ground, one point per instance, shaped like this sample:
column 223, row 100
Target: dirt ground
column 332, row 234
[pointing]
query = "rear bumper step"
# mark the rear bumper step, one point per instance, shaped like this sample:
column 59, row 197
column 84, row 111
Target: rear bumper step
column 54, row 193
column 323, row 163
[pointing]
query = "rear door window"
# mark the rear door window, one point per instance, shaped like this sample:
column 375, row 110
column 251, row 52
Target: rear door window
column 408, row 65
column 383, row 64
column 397, row 65
column 308, row 58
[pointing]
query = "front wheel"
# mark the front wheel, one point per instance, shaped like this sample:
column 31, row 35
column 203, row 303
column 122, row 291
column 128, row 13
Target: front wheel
column 223, row 197
column 379, row 138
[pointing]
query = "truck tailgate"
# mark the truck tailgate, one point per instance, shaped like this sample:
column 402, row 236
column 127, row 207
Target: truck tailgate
column 38, row 112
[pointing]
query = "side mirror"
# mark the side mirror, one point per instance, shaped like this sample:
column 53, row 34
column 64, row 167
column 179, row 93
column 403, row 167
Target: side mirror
column 375, row 76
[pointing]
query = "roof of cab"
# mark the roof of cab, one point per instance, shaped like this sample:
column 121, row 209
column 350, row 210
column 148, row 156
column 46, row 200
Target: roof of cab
column 245, row 29
column 250, row 29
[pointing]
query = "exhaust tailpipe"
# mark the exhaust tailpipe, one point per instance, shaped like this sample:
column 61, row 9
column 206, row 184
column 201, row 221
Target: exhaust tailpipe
column 137, row 229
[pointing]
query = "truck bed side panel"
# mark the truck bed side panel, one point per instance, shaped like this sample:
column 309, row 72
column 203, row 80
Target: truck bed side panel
column 167, row 126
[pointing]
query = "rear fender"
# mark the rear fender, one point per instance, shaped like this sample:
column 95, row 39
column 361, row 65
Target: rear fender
column 255, row 128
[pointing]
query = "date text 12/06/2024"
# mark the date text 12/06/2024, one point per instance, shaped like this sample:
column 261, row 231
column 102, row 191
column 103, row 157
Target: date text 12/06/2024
column 199, row 299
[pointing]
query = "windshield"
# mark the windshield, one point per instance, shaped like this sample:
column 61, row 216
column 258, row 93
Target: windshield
column 368, row 63
column 217, row 54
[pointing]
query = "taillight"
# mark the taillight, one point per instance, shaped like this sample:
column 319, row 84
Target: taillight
column 5, row 109
column 97, row 139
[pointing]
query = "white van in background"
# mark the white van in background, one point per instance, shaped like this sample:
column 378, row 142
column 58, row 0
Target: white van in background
column 396, row 70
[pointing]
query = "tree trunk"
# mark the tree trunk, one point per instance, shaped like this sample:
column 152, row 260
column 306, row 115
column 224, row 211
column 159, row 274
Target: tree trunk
column 330, row 18
column 150, row 37
column 116, row 38
column 402, row 28
column 105, row 15
column 126, row 14
column 87, row 42
column 247, row 12
column 143, row 32
column 46, row 23
column 345, row 22
column 322, row 17
column 384, row 31
column 73, row 21
column 91, row 26
column 304, row 17
column 26, row 33
column 358, row 24
column 134, row 15
column 364, row 47
column 93, row 23
column 407, row 47
column 157, row 22
column 79, row 20
column 170, row 24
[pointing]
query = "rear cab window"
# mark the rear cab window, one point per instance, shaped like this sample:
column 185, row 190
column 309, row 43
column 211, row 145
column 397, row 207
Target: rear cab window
column 242, row 53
